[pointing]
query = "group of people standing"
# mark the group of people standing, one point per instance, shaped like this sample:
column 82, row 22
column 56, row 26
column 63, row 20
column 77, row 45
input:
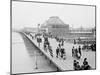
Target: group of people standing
column 60, row 52
column 76, row 52
column 84, row 66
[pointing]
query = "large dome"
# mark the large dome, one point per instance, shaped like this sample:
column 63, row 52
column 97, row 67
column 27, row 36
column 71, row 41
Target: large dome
column 56, row 26
column 54, row 20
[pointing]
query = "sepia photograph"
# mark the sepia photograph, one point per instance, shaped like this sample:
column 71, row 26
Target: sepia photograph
column 52, row 37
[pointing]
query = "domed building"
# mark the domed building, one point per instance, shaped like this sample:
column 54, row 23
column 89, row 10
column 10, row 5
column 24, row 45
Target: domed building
column 56, row 26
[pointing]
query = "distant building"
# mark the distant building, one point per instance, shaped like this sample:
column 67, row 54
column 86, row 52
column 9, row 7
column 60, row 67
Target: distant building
column 81, row 32
column 55, row 26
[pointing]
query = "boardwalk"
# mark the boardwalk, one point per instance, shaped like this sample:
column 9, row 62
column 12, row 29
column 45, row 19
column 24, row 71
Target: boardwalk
column 23, row 56
column 68, row 63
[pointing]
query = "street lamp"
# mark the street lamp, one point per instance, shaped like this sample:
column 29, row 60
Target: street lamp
column 39, row 39
column 36, row 67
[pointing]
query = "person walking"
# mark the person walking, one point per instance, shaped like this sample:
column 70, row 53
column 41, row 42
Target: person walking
column 45, row 47
column 74, row 41
column 62, row 52
column 79, row 50
column 59, row 47
column 57, row 52
column 50, row 50
column 73, row 51
column 62, row 42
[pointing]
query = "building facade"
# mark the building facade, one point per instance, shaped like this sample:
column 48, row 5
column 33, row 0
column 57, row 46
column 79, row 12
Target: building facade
column 57, row 27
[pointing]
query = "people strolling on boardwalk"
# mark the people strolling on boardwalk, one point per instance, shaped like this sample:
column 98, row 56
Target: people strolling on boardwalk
column 60, row 52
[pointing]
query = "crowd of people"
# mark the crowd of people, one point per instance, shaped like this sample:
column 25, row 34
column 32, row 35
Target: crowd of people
column 84, row 66
column 61, row 53
column 88, row 47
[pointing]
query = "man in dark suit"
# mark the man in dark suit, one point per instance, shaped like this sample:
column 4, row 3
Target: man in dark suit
column 57, row 52
column 80, row 50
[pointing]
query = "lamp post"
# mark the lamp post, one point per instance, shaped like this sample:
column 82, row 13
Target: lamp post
column 36, row 67
column 39, row 40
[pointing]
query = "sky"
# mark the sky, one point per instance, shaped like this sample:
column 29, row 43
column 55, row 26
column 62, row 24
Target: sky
column 30, row 14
